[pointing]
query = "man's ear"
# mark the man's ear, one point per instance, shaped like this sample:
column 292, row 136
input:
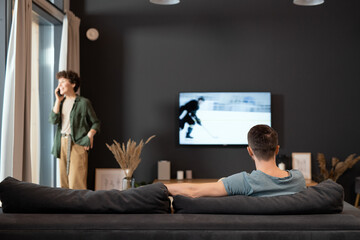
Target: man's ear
column 250, row 151
column 277, row 149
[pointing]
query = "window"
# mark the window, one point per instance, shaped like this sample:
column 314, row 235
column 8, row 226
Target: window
column 46, row 35
column 57, row 3
column 5, row 22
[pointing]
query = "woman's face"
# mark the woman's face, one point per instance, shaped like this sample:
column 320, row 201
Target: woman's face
column 66, row 87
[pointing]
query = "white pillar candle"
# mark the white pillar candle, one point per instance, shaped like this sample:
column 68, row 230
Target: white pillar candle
column 282, row 166
column 180, row 175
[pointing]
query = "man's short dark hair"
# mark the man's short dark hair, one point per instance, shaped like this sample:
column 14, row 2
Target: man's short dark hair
column 201, row 99
column 72, row 76
column 263, row 140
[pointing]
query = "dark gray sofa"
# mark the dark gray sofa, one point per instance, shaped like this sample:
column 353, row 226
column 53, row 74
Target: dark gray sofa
column 345, row 225
column 330, row 222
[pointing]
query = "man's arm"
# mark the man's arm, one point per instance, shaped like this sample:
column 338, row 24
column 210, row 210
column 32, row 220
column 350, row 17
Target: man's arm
column 216, row 189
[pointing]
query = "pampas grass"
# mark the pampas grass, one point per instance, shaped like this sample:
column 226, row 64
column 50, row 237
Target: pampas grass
column 338, row 167
column 128, row 156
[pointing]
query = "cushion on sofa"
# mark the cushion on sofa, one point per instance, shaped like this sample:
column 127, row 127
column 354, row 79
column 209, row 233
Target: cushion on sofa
column 326, row 197
column 23, row 197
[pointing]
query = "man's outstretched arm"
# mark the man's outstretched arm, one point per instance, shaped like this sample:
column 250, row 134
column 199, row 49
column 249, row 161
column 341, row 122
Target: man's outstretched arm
column 216, row 189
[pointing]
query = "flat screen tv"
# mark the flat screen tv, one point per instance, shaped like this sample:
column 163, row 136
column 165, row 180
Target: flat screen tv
column 221, row 118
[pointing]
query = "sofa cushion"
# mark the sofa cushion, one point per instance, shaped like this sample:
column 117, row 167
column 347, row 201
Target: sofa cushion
column 326, row 197
column 23, row 197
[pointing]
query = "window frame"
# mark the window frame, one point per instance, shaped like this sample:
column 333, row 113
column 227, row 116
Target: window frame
column 45, row 9
column 6, row 7
column 45, row 12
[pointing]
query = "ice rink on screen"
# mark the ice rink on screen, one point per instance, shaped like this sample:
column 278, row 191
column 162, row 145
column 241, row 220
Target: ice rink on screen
column 223, row 127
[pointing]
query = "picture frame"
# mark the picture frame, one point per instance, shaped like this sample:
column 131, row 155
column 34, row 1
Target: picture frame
column 302, row 162
column 109, row 178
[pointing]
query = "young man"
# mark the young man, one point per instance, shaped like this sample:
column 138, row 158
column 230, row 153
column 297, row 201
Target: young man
column 266, row 180
column 76, row 126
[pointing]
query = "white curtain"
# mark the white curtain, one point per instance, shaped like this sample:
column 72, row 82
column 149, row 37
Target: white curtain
column 63, row 45
column 15, row 137
column 70, row 44
column 69, row 53
column 35, row 144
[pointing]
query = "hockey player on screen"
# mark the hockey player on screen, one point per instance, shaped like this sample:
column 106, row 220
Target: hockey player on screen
column 187, row 114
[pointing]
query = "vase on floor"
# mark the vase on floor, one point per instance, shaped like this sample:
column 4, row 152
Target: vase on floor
column 128, row 157
column 128, row 182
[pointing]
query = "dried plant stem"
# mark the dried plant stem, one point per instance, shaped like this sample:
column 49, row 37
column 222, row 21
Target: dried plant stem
column 338, row 167
column 128, row 157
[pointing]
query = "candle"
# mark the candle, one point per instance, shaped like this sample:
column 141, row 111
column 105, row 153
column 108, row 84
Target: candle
column 188, row 174
column 180, row 175
column 282, row 166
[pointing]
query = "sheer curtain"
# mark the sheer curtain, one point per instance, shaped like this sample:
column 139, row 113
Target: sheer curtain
column 70, row 44
column 15, row 137
column 69, row 53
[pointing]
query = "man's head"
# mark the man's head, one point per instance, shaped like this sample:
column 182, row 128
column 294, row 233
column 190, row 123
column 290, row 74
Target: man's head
column 73, row 78
column 201, row 100
column 263, row 141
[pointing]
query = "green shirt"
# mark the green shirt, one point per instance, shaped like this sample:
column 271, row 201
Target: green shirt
column 82, row 119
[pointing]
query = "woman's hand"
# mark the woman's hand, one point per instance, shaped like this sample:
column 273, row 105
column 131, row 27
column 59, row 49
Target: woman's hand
column 90, row 135
column 58, row 96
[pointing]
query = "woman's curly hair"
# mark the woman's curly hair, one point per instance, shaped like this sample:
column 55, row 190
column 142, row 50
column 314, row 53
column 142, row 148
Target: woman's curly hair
column 72, row 76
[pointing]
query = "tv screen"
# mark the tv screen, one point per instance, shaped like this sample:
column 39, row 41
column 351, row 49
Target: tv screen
column 221, row 118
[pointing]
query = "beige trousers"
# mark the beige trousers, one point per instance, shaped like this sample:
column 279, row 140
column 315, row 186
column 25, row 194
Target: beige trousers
column 76, row 179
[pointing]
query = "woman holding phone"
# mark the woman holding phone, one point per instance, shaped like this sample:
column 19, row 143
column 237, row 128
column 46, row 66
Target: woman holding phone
column 77, row 125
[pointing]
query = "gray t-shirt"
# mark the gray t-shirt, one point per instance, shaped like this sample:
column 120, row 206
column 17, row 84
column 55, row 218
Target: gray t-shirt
column 258, row 183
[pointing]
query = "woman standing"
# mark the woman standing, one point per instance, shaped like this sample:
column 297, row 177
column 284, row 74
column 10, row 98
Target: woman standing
column 77, row 124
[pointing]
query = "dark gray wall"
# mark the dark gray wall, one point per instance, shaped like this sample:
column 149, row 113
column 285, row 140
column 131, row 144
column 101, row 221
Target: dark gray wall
column 307, row 57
